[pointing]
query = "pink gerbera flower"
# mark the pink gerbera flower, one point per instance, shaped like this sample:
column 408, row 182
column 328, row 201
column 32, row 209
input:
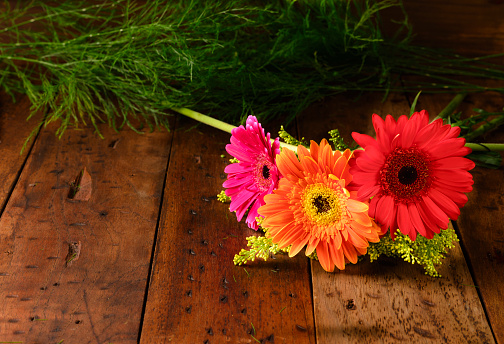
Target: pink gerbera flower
column 414, row 172
column 256, row 175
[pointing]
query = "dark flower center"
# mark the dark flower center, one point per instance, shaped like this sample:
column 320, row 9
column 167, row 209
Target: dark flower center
column 322, row 204
column 265, row 172
column 407, row 175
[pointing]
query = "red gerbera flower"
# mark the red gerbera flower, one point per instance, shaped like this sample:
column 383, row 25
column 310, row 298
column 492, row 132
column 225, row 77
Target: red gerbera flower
column 415, row 172
column 256, row 175
column 312, row 207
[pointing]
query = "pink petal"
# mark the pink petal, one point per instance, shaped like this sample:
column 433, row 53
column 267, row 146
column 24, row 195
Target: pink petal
column 235, row 181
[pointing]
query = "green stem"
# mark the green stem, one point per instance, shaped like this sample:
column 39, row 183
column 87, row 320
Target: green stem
column 228, row 128
column 490, row 125
column 205, row 119
column 485, row 147
column 448, row 110
column 218, row 124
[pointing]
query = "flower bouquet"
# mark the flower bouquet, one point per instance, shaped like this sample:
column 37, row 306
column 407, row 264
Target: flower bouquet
column 394, row 195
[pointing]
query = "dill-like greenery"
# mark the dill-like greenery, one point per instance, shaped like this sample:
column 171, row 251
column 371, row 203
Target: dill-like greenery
column 118, row 59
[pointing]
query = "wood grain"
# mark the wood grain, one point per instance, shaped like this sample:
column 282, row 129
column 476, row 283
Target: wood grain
column 468, row 27
column 196, row 294
column 390, row 301
column 14, row 130
column 99, row 297
column 481, row 220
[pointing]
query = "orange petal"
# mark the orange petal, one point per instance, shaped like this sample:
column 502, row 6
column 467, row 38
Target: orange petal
column 298, row 245
column 323, row 256
column 302, row 152
column 272, row 208
column 355, row 239
column 337, row 255
column 310, row 165
column 356, row 206
column 362, row 218
column 277, row 233
column 350, row 253
column 278, row 219
column 294, row 234
column 339, row 166
column 288, row 164
column 312, row 245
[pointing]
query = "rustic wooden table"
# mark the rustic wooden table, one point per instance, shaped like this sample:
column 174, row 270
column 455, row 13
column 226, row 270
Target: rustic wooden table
column 155, row 264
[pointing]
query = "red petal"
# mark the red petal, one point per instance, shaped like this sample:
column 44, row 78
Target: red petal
column 366, row 178
column 409, row 133
column 385, row 210
column 372, row 207
column 363, row 140
column 416, row 219
column 369, row 165
column 390, row 126
column 401, row 123
column 453, row 177
column 434, row 213
column 452, row 163
column 445, row 148
column 403, row 219
column 456, row 196
column 444, row 203
column 368, row 190
column 378, row 123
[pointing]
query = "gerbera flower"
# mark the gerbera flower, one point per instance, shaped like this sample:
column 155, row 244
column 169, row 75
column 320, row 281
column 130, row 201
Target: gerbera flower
column 415, row 173
column 256, row 175
column 313, row 207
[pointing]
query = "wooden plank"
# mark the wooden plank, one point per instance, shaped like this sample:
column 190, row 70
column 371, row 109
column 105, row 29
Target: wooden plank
column 14, row 129
column 468, row 27
column 393, row 301
column 99, row 297
column 480, row 222
column 196, row 294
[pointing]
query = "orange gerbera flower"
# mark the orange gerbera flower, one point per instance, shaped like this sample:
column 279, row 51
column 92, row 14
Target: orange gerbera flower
column 312, row 207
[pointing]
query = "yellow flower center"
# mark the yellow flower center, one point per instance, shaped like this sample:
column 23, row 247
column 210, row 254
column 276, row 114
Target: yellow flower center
column 321, row 204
